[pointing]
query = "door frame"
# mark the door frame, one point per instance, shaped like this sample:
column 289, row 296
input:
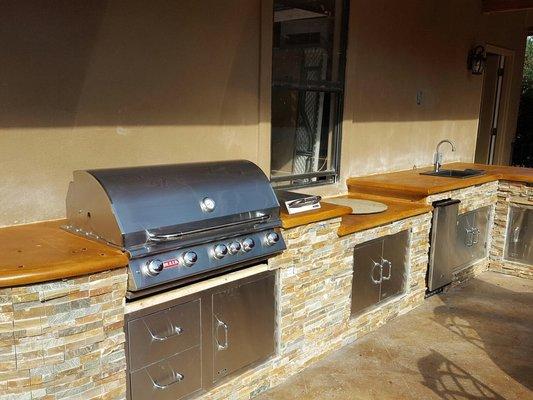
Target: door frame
column 505, row 134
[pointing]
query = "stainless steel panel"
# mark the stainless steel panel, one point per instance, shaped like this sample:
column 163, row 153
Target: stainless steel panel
column 163, row 333
column 519, row 244
column 243, row 325
column 169, row 379
column 472, row 235
column 394, row 264
column 442, row 258
column 206, row 262
column 367, row 275
column 169, row 199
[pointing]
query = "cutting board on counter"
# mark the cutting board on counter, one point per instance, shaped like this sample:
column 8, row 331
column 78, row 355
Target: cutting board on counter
column 359, row 206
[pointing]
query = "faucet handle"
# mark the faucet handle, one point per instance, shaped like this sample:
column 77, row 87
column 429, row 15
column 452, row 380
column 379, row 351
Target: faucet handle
column 438, row 158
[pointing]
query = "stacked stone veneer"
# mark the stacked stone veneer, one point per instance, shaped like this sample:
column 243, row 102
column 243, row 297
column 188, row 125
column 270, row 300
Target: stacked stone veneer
column 314, row 299
column 508, row 192
column 64, row 339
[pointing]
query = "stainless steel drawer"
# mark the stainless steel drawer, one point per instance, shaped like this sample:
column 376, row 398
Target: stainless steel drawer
column 156, row 336
column 170, row 379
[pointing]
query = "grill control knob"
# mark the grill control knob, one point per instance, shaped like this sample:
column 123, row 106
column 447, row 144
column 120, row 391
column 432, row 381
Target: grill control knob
column 234, row 247
column 272, row 238
column 153, row 267
column 248, row 244
column 189, row 258
column 208, row 205
column 220, row 251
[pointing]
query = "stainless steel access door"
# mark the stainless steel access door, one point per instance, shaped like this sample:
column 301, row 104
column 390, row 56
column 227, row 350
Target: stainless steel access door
column 442, row 255
column 395, row 253
column 243, row 325
column 519, row 246
column 366, row 283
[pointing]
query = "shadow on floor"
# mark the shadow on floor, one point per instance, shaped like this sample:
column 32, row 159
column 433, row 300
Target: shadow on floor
column 492, row 318
column 449, row 381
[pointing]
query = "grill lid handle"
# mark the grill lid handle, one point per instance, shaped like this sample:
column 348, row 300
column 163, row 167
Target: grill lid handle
column 170, row 237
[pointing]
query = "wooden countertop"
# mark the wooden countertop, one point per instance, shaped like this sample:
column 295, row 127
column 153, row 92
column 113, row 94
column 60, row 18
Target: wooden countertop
column 326, row 211
column 43, row 252
column 397, row 210
column 409, row 184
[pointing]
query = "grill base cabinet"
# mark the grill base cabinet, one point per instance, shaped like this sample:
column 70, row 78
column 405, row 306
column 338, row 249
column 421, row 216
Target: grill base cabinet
column 380, row 268
column 181, row 348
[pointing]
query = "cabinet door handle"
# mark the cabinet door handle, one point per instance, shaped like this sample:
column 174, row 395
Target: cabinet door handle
column 376, row 281
column 387, row 263
column 476, row 235
column 469, row 240
column 222, row 324
column 177, row 377
column 175, row 331
column 516, row 234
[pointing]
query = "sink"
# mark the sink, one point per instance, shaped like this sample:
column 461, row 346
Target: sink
column 455, row 173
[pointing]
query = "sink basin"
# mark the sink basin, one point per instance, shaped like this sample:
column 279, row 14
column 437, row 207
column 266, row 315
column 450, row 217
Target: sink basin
column 455, row 173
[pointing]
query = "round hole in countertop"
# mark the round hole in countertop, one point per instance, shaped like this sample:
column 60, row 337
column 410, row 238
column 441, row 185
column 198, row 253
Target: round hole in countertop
column 19, row 251
column 88, row 214
column 102, row 254
column 21, row 266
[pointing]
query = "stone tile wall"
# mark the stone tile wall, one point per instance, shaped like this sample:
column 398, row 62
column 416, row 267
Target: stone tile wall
column 314, row 299
column 64, row 339
column 471, row 198
column 507, row 193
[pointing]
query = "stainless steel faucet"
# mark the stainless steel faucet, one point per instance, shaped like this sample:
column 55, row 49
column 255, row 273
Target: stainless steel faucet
column 438, row 154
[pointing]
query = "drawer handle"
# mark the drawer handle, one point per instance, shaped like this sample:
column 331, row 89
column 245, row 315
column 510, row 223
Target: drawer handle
column 222, row 324
column 387, row 263
column 176, row 330
column 177, row 378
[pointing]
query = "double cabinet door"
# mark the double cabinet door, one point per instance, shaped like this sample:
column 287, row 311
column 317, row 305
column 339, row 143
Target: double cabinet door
column 379, row 270
column 180, row 348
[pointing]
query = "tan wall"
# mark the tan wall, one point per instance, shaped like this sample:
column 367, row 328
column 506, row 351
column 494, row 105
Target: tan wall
column 399, row 48
column 117, row 82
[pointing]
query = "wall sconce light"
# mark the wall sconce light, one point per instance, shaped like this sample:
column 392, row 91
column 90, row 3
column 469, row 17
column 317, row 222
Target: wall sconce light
column 476, row 60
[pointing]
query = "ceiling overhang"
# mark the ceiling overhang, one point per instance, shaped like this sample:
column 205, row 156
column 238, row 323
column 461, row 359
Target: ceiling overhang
column 494, row 6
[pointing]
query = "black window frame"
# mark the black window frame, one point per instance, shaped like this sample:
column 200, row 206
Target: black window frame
column 332, row 175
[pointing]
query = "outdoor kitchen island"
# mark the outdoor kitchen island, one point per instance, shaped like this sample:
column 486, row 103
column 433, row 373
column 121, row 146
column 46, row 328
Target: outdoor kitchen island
column 62, row 336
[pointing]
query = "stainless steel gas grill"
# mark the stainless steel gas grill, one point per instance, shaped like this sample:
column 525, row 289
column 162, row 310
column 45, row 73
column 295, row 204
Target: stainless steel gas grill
column 178, row 223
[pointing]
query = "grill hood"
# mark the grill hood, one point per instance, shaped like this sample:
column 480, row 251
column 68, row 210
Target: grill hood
column 142, row 208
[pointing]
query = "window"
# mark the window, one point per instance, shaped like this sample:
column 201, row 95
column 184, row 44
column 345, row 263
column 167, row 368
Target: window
column 308, row 59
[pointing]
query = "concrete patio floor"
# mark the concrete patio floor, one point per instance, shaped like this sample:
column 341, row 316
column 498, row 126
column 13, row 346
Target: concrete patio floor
column 474, row 342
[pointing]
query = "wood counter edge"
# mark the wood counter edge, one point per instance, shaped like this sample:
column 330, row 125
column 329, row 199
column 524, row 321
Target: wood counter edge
column 327, row 211
column 374, row 221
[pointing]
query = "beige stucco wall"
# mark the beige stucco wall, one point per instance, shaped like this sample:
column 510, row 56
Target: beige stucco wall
column 399, row 48
column 115, row 83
